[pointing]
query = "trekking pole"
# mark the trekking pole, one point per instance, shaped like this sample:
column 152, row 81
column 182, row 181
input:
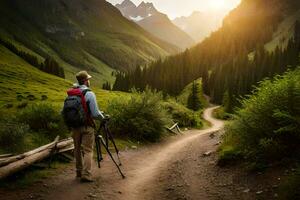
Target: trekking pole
column 99, row 137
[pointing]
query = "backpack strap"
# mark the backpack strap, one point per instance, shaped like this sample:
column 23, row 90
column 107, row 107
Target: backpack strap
column 90, row 120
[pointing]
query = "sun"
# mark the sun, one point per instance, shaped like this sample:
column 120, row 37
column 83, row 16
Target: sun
column 217, row 4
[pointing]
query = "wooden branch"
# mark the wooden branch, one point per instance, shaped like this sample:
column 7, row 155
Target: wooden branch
column 174, row 126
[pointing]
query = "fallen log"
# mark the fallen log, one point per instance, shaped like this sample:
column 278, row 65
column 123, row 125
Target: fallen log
column 38, row 155
column 6, row 155
column 9, row 160
column 64, row 143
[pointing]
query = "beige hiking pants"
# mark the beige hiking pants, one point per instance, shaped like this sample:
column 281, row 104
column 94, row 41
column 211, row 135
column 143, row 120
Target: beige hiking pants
column 84, row 141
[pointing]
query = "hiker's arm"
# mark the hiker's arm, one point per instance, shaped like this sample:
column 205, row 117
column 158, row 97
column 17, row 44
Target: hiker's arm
column 95, row 112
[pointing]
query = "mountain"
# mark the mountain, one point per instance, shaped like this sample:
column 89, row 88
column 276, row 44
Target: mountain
column 256, row 41
column 155, row 22
column 199, row 24
column 79, row 34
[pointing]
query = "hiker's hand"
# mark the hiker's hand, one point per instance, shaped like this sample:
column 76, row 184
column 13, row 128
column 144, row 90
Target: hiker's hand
column 107, row 117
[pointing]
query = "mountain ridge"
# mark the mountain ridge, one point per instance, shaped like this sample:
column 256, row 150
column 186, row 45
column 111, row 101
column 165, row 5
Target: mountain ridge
column 155, row 22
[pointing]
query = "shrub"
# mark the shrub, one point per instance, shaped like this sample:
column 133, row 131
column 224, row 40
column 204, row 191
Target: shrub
column 20, row 97
column 43, row 118
column 221, row 114
column 227, row 154
column 22, row 105
column 182, row 115
column 8, row 105
column 31, row 97
column 141, row 117
column 267, row 127
column 12, row 135
column 44, row 97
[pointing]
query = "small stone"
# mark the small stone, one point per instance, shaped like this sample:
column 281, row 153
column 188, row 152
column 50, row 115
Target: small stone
column 275, row 186
column 169, row 189
column 206, row 154
column 293, row 170
column 246, row 190
column 275, row 195
column 186, row 129
column 134, row 147
column 259, row 192
column 92, row 195
column 279, row 179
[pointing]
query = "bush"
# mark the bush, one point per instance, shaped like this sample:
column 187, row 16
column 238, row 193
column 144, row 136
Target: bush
column 228, row 154
column 141, row 117
column 43, row 118
column 22, row 105
column 8, row 105
column 182, row 115
column 20, row 97
column 44, row 97
column 31, row 97
column 267, row 127
column 12, row 135
column 221, row 114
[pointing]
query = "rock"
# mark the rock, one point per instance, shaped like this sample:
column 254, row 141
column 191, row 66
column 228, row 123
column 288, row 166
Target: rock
column 186, row 129
column 212, row 135
column 169, row 189
column 134, row 147
column 206, row 154
column 246, row 190
column 259, row 192
column 92, row 195
column 275, row 195
column 275, row 186
column 279, row 179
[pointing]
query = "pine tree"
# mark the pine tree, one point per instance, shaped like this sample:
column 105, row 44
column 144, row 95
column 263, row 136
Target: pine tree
column 194, row 102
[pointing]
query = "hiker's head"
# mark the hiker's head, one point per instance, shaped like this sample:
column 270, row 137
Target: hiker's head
column 83, row 78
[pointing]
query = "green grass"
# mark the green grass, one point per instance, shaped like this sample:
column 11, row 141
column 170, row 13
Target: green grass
column 19, row 79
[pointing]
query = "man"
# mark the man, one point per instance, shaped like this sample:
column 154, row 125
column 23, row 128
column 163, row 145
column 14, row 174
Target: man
column 84, row 136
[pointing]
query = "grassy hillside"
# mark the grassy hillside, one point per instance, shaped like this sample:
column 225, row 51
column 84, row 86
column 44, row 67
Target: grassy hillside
column 89, row 34
column 23, row 84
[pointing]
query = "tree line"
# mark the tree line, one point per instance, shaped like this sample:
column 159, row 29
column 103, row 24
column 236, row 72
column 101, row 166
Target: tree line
column 222, row 59
column 49, row 65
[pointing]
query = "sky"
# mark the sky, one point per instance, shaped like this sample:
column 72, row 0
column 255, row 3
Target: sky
column 178, row 8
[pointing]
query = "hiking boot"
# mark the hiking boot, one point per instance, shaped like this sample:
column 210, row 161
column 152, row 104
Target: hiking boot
column 86, row 180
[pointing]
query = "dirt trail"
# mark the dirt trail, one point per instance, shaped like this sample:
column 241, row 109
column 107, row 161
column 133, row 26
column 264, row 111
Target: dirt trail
column 173, row 169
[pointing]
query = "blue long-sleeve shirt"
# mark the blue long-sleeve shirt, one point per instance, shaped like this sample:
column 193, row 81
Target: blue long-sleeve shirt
column 90, row 98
